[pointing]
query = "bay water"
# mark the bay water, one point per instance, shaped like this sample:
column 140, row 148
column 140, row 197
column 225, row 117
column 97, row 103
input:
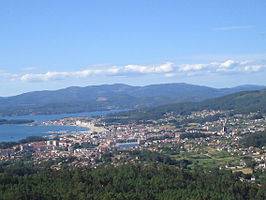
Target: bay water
column 15, row 132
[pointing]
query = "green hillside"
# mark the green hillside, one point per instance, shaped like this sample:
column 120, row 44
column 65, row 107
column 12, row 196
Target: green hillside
column 242, row 102
column 127, row 182
column 106, row 97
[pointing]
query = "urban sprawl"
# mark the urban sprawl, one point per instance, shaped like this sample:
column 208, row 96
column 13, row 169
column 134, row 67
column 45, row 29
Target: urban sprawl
column 210, row 143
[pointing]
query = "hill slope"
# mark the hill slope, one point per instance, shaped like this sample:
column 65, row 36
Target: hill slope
column 103, row 97
column 242, row 102
column 127, row 182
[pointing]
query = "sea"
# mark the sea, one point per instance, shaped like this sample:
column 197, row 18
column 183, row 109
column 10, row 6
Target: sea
column 13, row 133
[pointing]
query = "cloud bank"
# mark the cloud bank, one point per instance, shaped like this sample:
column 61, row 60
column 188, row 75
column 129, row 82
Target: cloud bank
column 167, row 70
column 114, row 70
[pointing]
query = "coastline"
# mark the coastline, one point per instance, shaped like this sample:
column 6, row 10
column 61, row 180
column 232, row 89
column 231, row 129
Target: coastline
column 42, row 123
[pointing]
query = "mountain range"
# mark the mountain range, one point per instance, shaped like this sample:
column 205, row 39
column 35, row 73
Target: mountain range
column 237, row 103
column 105, row 97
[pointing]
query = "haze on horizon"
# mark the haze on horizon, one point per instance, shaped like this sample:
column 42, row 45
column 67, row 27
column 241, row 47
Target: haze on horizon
column 57, row 44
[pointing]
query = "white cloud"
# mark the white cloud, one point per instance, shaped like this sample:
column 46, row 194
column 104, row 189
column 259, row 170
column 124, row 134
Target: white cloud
column 227, row 64
column 45, row 77
column 254, row 68
column 221, row 67
column 191, row 67
column 137, row 68
column 166, row 69
column 62, row 75
column 114, row 70
column 83, row 73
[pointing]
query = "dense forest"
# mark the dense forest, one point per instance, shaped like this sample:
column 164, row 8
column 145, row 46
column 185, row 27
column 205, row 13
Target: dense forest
column 254, row 139
column 126, row 182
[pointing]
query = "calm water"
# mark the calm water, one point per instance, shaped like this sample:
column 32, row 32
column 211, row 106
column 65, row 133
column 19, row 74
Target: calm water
column 43, row 118
column 18, row 132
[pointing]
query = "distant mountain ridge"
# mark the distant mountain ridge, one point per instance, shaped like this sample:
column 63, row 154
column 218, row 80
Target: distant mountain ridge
column 238, row 103
column 116, row 96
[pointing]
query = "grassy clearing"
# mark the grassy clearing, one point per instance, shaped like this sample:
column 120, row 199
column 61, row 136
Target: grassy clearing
column 244, row 170
column 208, row 158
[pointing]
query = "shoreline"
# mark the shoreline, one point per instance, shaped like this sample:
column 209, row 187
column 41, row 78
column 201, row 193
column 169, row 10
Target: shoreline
column 14, row 133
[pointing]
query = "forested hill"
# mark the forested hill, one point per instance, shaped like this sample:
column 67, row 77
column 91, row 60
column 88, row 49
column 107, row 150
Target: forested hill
column 126, row 182
column 242, row 102
column 173, row 92
column 104, row 97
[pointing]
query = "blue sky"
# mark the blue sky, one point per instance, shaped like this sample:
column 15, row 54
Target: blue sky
column 52, row 44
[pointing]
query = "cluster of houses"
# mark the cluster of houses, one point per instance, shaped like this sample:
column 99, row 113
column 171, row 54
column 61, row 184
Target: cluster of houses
column 222, row 135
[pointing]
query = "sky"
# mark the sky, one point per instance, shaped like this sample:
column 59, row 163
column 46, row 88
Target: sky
column 52, row 44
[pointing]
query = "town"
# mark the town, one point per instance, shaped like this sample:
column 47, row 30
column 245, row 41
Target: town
column 205, row 139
